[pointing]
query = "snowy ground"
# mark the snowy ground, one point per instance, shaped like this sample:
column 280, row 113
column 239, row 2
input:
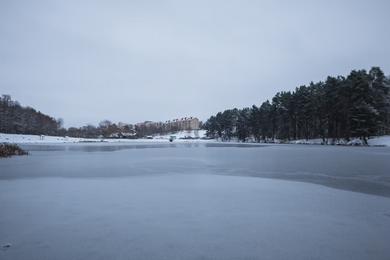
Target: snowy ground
column 17, row 138
column 373, row 141
column 381, row 140
column 180, row 137
column 184, row 134
column 189, row 216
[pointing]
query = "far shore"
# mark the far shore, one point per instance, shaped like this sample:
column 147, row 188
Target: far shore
column 41, row 139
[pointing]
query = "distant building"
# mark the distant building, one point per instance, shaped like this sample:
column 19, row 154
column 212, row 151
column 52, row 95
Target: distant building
column 185, row 123
column 149, row 124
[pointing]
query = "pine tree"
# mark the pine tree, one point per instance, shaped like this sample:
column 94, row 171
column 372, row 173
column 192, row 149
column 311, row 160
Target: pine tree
column 356, row 106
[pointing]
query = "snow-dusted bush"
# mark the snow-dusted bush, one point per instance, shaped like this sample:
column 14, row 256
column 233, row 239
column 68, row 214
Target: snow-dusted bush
column 11, row 149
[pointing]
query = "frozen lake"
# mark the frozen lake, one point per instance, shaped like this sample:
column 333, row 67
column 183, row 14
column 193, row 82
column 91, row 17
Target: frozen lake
column 195, row 201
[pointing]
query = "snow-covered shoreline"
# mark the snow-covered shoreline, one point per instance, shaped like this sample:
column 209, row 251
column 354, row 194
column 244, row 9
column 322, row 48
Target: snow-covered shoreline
column 373, row 141
column 183, row 136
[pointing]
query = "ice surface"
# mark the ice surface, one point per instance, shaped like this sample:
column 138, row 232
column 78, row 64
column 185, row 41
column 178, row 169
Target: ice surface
column 363, row 169
column 195, row 201
column 189, row 217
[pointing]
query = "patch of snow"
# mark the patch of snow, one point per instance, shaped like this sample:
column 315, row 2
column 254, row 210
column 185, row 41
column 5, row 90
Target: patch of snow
column 380, row 140
column 305, row 141
column 18, row 138
column 355, row 142
column 187, row 134
column 375, row 141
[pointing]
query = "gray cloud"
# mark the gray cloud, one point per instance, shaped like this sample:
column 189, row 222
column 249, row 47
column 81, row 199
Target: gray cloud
column 155, row 60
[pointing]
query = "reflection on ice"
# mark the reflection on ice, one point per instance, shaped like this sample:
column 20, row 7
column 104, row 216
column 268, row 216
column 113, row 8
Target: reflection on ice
column 362, row 169
column 110, row 147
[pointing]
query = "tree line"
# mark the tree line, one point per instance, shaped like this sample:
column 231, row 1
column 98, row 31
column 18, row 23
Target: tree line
column 16, row 119
column 355, row 106
column 106, row 129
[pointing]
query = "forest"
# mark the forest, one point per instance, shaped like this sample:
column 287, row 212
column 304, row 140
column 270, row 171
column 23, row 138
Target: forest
column 355, row 106
column 16, row 119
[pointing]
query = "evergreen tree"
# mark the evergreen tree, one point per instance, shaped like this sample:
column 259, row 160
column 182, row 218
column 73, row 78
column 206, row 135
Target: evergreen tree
column 357, row 106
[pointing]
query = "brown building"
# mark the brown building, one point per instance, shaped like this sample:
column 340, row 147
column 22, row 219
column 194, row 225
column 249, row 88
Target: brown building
column 185, row 123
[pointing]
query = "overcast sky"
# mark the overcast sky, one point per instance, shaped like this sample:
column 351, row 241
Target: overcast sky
column 130, row 61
